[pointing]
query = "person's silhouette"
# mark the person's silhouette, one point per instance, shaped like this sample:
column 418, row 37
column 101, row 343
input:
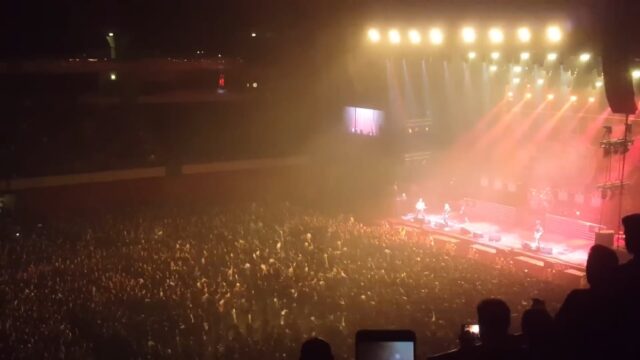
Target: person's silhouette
column 586, row 319
column 628, row 294
column 316, row 349
column 494, row 318
column 539, row 331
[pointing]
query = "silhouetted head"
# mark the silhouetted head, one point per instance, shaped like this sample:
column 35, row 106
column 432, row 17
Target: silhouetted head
column 316, row 349
column 494, row 318
column 537, row 323
column 601, row 264
column 631, row 225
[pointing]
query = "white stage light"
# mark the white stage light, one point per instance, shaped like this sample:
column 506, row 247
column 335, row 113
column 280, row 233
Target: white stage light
column 528, row 96
column 592, row 99
column 525, row 56
column 573, row 98
column 374, row 35
column 517, row 69
column 113, row 76
column 585, row 57
column 552, row 56
column 436, row 36
column 469, row 35
column 636, row 74
column 524, row 35
column 516, row 81
column 496, row 36
column 554, row 34
column 415, row 37
column 495, row 55
column 599, row 83
column 472, row 55
column 540, row 82
column 493, row 68
column 551, row 97
column 394, row 36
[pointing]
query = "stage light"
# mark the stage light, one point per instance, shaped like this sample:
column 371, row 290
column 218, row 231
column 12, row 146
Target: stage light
column 599, row 83
column 253, row 34
column 551, row 97
column 516, row 81
column 525, row 56
column 540, row 82
column 415, row 37
column 524, row 35
column 510, row 95
column 374, row 35
column 585, row 57
column 436, row 36
column 592, row 99
column 110, row 34
column 554, row 34
column 528, row 96
column 468, row 35
column 573, row 98
column 495, row 55
column 472, row 55
column 113, row 76
column 552, row 56
column 255, row 85
column 496, row 36
column 635, row 74
column 517, row 69
column 493, row 68
column 394, row 36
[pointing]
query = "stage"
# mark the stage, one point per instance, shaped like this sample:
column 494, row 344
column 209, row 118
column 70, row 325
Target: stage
column 555, row 247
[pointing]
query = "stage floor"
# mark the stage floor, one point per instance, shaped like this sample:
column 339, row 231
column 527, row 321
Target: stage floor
column 572, row 251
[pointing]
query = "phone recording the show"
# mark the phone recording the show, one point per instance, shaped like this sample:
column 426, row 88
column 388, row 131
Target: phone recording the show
column 385, row 345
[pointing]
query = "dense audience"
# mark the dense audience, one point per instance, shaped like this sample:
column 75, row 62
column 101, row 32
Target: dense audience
column 234, row 284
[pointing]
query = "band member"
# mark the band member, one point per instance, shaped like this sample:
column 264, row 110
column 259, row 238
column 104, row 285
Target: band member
column 445, row 214
column 420, row 208
column 537, row 234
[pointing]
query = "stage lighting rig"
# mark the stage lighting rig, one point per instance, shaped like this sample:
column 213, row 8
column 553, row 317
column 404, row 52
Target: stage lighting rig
column 436, row 36
column 394, row 37
column 524, row 35
column 585, row 57
column 496, row 36
column 374, row 35
column 414, row 37
column 469, row 35
column 554, row 34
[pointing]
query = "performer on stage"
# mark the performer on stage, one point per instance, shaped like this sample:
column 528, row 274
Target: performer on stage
column 445, row 214
column 537, row 234
column 420, row 208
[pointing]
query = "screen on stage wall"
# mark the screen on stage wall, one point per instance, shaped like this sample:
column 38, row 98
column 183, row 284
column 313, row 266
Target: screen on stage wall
column 363, row 121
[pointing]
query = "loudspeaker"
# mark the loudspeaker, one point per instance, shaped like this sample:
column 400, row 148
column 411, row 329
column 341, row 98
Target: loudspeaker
column 617, row 55
column 546, row 250
column 495, row 238
column 605, row 237
column 618, row 83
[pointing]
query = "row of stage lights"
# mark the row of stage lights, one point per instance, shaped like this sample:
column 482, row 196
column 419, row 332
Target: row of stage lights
column 550, row 97
column 468, row 35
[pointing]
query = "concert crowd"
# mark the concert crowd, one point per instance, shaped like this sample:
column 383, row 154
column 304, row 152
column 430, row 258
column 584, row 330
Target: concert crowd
column 245, row 283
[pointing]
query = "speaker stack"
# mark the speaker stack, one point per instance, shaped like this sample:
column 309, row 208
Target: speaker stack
column 617, row 55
